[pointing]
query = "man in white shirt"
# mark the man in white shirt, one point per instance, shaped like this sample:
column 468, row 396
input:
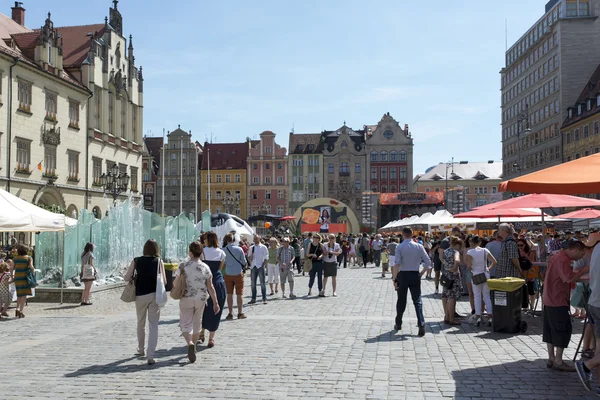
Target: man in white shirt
column 377, row 247
column 259, row 256
column 406, row 276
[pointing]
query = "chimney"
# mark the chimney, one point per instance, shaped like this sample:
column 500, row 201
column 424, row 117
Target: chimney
column 18, row 13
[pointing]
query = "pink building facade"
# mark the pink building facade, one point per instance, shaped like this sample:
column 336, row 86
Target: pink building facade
column 267, row 177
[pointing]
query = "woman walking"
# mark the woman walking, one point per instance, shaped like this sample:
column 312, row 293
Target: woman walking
column 5, row 281
column 272, row 268
column 23, row 264
column 451, row 274
column 214, row 257
column 88, row 273
column 477, row 263
column 199, row 286
column 331, row 250
column 352, row 252
column 144, row 271
column 315, row 253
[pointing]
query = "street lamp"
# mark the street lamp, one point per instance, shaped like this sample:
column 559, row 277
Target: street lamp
column 114, row 183
column 522, row 117
column 231, row 203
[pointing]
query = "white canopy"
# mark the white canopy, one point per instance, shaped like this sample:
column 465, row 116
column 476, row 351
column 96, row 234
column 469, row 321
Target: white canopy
column 18, row 215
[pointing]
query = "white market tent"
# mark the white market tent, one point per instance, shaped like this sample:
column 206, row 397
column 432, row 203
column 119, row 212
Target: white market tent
column 18, row 215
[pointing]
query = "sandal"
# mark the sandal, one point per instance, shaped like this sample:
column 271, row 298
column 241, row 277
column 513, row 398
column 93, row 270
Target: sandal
column 229, row 317
column 549, row 363
column 202, row 337
column 564, row 367
column 454, row 323
column 211, row 343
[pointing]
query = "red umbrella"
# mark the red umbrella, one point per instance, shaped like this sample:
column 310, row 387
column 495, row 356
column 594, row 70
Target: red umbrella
column 289, row 217
column 481, row 212
column 586, row 213
column 543, row 201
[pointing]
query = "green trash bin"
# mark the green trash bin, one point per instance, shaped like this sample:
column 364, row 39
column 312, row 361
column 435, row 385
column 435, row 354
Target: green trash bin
column 507, row 297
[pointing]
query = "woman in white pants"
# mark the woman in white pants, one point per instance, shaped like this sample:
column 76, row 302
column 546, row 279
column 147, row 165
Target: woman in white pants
column 272, row 268
column 477, row 261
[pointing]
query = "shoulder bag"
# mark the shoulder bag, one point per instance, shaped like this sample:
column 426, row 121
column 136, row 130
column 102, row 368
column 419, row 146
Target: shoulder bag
column 128, row 295
column 31, row 280
column 161, row 290
column 239, row 262
column 179, row 285
column 307, row 267
column 446, row 282
column 482, row 277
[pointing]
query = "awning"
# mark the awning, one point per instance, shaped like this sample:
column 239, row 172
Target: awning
column 389, row 199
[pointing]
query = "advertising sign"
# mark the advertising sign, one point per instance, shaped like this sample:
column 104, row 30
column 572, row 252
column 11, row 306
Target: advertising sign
column 324, row 219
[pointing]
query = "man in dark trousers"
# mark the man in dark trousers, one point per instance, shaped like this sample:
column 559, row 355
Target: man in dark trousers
column 408, row 258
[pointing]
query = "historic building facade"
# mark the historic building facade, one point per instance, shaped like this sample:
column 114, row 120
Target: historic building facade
column 223, row 172
column 180, row 158
column 305, row 169
column 345, row 166
column 465, row 184
column 267, row 176
column 73, row 101
column 581, row 129
column 150, row 170
column 389, row 149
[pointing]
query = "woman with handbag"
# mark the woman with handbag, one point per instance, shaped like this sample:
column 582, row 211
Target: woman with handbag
column 24, row 274
column 144, row 272
column 214, row 257
column 194, row 285
column 88, row 273
column 477, row 263
column 315, row 254
column 451, row 279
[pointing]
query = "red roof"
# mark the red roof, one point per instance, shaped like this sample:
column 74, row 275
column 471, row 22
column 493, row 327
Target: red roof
column 154, row 145
column 76, row 42
column 225, row 155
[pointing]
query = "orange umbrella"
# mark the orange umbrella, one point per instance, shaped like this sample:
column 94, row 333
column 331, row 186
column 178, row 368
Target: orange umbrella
column 543, row 201
column 574, row 177
column 586, row 213
column 482, row 212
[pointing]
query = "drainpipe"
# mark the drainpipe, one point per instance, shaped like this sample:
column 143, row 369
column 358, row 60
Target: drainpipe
column 9, row 122
column 87, row 154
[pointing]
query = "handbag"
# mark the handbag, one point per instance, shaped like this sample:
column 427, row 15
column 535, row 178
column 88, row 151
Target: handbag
column 482, row 277
column 161, row 291
column 31, row 280
column 128, row 295
column 89, row 272
column 446, row 282
column 307, row 264
column 525, row 263
column 180, row 284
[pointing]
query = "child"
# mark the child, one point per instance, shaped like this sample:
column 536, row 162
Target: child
column 5, row 298
column 385, row 260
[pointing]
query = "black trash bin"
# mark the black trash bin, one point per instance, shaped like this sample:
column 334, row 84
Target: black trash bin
column 507, row 297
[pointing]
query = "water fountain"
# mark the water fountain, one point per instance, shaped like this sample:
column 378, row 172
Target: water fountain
column 118, row 238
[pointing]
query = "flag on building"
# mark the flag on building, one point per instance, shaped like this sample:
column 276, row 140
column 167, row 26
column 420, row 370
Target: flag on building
column 39, row 166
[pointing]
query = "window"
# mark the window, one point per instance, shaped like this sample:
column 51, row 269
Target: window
column 134, row 180
column 344, row 169
column 393, row 173
column 111, row 113
column 568, row 137
column 427, row 190
column 267, row 179
column 228, row 178
column 267, row 195
column 388, row 134
column 383, row 173
column 218, row 178
column 374, row 156
column 279, row 165
column 218, row 195
column 268, row 149
column 584, row 8
column 255, row 180
column 280, row 211
column 280, row 194
column 267, row 166
column 383, row 155
column 208, row 178
column 576, row 138
column 255, row 195
column 357, row 184
column 23, row 154
column 73, row 165
column 374, row 189
column 374, row 173
column 403, row 188
column 393, row 156
column 330, row 169
column 73, row 114
column 596, row 128
column 24, row 96
column 480, row 203
column 123, row 117
column 134, row 123
column 383, row 189
column 49, row 160
column 437, row 189
column 402, row 173
column 579, row 109
column 238, row 178
column 357, row 168
column 403, row 155
column 254, row 166
column 280, row 179
column 586, row 131
column 494, row 190
column 98, row 106
column 96, row 170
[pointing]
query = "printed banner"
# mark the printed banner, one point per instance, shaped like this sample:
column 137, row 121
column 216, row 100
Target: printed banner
column 324, row 219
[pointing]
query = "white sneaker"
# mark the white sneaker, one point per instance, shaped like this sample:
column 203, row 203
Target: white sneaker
column 334, row 294
column 283, row 296
column 292, row 296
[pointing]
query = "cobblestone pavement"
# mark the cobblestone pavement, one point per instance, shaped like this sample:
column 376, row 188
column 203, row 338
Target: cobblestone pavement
column 307, row 348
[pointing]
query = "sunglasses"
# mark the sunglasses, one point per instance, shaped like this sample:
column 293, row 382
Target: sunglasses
column 520, row 245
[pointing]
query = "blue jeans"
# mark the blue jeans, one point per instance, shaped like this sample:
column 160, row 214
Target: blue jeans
column 377, row 257
column 258, row 272
column 317, row 269
column 409, row 280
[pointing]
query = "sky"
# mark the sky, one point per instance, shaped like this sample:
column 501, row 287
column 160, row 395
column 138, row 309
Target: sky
column 232, row 69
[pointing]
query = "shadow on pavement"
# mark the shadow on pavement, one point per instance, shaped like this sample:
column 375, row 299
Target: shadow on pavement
column 391, row 336
column 64, row 307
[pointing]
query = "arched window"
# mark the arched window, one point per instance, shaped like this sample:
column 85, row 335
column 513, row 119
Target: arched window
column 383, row 189
column 373, row 188
column 403, row 155
column 383, row 155
column 393, row 156
column 392, row 189
column 374, row 156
